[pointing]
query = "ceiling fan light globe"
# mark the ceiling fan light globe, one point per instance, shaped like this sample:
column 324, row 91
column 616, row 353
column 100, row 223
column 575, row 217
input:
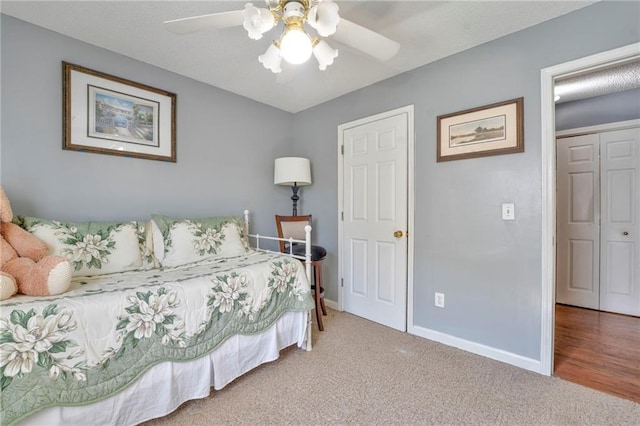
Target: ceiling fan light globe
column 324, row 18
column 271, row 59
column 257, row 21
column 324, row 54
column 295, row 46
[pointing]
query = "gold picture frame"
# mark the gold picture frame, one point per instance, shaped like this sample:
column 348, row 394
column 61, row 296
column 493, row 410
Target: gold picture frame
column 494, row 129
column 106, row 114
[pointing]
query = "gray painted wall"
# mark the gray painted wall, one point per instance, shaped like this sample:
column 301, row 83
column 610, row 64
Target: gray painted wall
column 225, row 143
column 604, row 109
column 489, row 270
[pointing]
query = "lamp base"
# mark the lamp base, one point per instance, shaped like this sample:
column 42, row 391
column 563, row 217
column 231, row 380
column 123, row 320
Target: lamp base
column 295, row 199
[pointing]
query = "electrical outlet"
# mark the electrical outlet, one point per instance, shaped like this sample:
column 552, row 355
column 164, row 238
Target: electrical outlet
column 439, row 302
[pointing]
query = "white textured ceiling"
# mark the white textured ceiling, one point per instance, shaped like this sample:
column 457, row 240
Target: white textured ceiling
column 426, row 30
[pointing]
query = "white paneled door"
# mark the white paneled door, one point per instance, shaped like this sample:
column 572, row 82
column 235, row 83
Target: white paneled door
column 374, row 228
column 619, row 251
column 598, row 224
column 578, row 206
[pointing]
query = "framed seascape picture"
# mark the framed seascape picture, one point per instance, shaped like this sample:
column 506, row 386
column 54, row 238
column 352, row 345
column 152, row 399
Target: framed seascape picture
column 488, row 130
column 110, row 115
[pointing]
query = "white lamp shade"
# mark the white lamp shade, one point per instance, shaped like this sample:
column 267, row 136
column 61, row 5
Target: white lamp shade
column 324, row 18
column 271, row 59
column 257, row 21
column 292, row 171
column 325, row 54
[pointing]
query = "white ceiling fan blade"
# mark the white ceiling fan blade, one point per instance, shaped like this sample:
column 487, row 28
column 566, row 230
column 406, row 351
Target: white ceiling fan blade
column 196, row 24
column 365, row 40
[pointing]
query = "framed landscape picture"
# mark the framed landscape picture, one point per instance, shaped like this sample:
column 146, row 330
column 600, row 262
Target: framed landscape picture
column 488, row 130
column 110, row 115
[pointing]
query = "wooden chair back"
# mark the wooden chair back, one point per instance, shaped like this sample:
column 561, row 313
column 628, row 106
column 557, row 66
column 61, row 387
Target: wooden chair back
column 291, row 227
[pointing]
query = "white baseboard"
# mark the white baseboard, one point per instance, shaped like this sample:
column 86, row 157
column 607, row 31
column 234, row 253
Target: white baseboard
column 467, row 345
column 478, row 349
column 331, row 304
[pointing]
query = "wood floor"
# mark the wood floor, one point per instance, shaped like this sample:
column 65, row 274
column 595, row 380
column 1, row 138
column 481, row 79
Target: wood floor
column 600, row 350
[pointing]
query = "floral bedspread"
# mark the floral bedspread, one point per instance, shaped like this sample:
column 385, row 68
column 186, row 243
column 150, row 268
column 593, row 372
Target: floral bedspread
column 91, row 342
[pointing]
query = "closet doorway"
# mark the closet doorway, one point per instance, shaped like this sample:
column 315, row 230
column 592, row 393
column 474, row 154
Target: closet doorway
column 549, row 77
column 598, row 229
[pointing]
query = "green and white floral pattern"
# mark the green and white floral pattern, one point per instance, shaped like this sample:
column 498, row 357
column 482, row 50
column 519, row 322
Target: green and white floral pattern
column 181, row 241
column 146, row 245
column 86, row 250
column 151, row 313
column 93, row 248
column 207, row 240
column 284, row 278
column 230, row 294
column 95, row 340
column 29, row 340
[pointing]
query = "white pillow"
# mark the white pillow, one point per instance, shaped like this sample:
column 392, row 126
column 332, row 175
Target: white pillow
column 93, row 248
column 180, row 241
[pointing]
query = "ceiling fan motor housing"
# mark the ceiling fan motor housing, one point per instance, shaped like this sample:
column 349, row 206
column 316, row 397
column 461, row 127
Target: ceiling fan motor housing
column 294, row 10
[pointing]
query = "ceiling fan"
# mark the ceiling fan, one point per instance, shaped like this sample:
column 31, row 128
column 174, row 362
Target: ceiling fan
column 295, row 45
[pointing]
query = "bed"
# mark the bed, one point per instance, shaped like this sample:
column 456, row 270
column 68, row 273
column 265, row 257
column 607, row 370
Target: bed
column 126, row 347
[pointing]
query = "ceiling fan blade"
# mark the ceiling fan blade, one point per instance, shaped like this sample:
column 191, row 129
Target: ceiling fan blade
column 196, row 24
column 365, row 40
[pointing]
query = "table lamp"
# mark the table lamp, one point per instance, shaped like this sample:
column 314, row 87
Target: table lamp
column 294, row 172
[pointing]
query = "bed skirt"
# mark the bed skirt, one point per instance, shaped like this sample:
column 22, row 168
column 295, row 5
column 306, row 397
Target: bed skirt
column 164, row 387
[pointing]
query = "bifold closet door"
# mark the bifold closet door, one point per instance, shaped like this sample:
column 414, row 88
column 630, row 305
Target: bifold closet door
column 619, row 252
column 598, row 224
column 578, row 216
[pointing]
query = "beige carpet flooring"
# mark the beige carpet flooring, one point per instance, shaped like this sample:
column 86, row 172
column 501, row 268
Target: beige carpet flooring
column 362, row 373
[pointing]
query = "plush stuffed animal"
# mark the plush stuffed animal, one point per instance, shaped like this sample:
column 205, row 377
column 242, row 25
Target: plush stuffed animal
column 24, row 264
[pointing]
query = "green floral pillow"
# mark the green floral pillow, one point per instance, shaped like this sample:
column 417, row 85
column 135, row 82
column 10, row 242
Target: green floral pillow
column 181, row 241
column 94, row 248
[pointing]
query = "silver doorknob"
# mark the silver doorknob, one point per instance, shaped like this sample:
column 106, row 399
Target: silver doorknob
column 398, row 234
column 625, row 233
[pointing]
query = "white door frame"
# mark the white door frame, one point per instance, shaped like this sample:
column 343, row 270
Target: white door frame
column 548, row 75
column 410, row 200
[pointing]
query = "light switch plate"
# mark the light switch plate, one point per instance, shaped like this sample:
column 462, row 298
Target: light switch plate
column 508, row 211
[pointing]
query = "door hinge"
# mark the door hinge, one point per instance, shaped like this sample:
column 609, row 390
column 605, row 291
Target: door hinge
column 341, row 282
column 342, row 149
column 342, row 216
